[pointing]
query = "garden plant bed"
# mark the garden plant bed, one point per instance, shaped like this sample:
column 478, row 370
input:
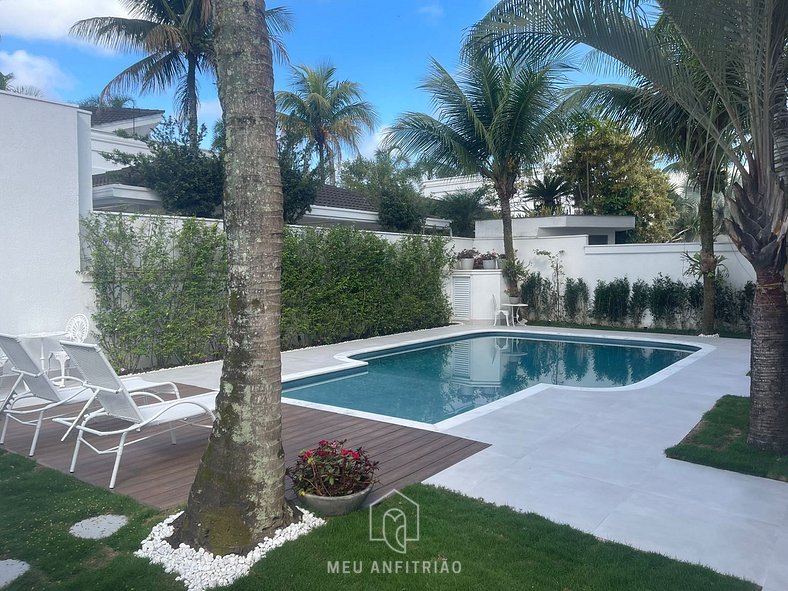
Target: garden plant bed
column 719, row 440
column 497, row 547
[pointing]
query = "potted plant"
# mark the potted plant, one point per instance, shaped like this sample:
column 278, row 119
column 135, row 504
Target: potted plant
column 489, row 259
column 466, row 258
column 332, row 479
column 514, row 294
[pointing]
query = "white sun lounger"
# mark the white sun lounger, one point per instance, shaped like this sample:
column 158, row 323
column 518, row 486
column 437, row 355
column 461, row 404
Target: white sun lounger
column 116, row 402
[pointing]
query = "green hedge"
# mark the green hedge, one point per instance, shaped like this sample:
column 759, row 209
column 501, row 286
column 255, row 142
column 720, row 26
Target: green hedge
column 160, row 287
column 672, row 304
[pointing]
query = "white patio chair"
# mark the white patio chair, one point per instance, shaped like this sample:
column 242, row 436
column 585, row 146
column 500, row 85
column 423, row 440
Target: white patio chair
column 499, row 311
column 117, row 403
column 77, row 329
column 39, row 394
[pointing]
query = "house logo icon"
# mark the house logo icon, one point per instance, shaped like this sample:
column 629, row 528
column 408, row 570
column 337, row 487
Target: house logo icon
column 397, row 525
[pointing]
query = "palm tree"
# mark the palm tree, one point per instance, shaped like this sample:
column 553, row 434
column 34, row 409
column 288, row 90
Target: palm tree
column 739, row 66
column 463, row 208
column 238, row 495
column 176, row 37
column 5, row 84
column 548, row 193
column 666, row 126
column 118, row 101
column 495, row 119
column 327, row 113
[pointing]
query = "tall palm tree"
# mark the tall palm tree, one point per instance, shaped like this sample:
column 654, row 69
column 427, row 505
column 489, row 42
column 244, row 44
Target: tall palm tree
column 176, row 37
column 494, row 119
column 739, row 66
column 667, row 127
column 238, row 494
column 327, row 113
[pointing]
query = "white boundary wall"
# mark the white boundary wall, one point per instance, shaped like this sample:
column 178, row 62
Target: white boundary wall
column 605, row 263
column 45, row 184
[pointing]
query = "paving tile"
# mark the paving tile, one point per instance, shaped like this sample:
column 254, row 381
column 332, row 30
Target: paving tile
column 692, row 532
column 560, row 496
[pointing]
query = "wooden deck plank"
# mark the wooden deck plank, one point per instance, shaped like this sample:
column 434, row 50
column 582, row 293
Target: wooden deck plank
column 160, row 474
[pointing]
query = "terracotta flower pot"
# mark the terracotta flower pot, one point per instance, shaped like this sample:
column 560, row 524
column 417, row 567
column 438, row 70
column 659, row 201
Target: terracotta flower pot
column 332, row 506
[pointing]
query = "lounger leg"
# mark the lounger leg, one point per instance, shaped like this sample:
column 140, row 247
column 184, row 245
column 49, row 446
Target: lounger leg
column 117, row 460
column 35, row 436
column 172, row 434
column 5, row 427
column 76, row 452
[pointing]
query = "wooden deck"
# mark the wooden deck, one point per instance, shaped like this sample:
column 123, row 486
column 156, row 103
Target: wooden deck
column 157, row 473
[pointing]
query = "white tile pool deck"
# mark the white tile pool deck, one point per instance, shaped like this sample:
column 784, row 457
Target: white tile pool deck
column 594, row 459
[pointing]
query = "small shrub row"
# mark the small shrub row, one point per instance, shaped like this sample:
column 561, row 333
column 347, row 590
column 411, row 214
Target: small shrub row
column 671, row 303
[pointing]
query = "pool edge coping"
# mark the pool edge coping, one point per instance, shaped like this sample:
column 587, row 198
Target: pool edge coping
column 346, row 363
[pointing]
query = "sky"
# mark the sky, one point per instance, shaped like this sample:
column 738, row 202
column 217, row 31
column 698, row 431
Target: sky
column 384, row 45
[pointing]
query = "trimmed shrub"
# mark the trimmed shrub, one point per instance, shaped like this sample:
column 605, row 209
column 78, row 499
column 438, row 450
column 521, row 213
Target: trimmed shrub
column 537, row 292
column 611, row 300
column 668, row 300
column 576, row 298
column 639, row 301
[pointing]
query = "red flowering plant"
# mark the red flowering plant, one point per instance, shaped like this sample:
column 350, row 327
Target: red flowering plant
column 331, row 470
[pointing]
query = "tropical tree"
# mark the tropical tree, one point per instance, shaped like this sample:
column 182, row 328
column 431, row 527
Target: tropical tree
column 494, row 119
column 611, row 174
column 548, row 194
column 667, row 127
column 388, row 170
column 118, row 101
column 5, row 84
column 739, row 66
column 238, row 495
column 328, row 114
column 463, row 208
column 177, row 38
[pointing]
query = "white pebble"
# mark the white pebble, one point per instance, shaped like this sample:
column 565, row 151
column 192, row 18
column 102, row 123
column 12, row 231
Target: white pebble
column 200, row 570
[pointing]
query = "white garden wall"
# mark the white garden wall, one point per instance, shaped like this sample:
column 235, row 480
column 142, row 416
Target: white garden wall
column 45, row 182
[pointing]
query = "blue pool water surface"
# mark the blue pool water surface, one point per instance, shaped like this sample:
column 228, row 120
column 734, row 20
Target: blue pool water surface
column 435, row 381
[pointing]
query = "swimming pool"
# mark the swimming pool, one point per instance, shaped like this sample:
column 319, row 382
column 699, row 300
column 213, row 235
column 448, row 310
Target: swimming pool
column 434, row 381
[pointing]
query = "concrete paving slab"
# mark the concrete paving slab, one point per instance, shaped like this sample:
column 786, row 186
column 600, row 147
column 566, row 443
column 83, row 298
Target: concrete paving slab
column 96, row 528
column 11, row 570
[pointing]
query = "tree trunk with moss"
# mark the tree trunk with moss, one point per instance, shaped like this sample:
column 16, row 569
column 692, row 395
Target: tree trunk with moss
column 238, row 495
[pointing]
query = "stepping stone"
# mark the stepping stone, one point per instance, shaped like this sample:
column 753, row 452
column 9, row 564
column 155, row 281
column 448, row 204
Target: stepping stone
column 10, row 570
column 99, row 527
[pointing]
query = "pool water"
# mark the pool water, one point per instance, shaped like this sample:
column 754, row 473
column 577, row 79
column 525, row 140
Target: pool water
column 433, row 382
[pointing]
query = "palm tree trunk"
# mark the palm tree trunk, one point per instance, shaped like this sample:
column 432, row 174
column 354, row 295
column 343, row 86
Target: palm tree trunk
column 238, row 495
column 191, row 98
column 708, row 264
column 504, row 188
column 769, row 360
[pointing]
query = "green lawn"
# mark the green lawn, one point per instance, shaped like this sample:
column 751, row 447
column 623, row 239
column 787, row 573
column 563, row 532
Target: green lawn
column 720, row 441
column 497, row 548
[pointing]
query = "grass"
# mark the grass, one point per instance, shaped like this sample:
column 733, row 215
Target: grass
column 720, row 441
column 497, row 547
column 723, row 333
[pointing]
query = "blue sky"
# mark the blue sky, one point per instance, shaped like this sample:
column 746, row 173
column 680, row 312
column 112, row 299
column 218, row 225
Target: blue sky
column 384, row 45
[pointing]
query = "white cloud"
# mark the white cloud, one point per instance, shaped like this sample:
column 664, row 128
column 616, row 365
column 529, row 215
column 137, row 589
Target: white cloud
column 51, row 19
column 433, row 10
column 33, row 70
column 372, row 142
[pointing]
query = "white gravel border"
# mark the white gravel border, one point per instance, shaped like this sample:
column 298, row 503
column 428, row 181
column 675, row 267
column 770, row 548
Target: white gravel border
column 200, row 570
